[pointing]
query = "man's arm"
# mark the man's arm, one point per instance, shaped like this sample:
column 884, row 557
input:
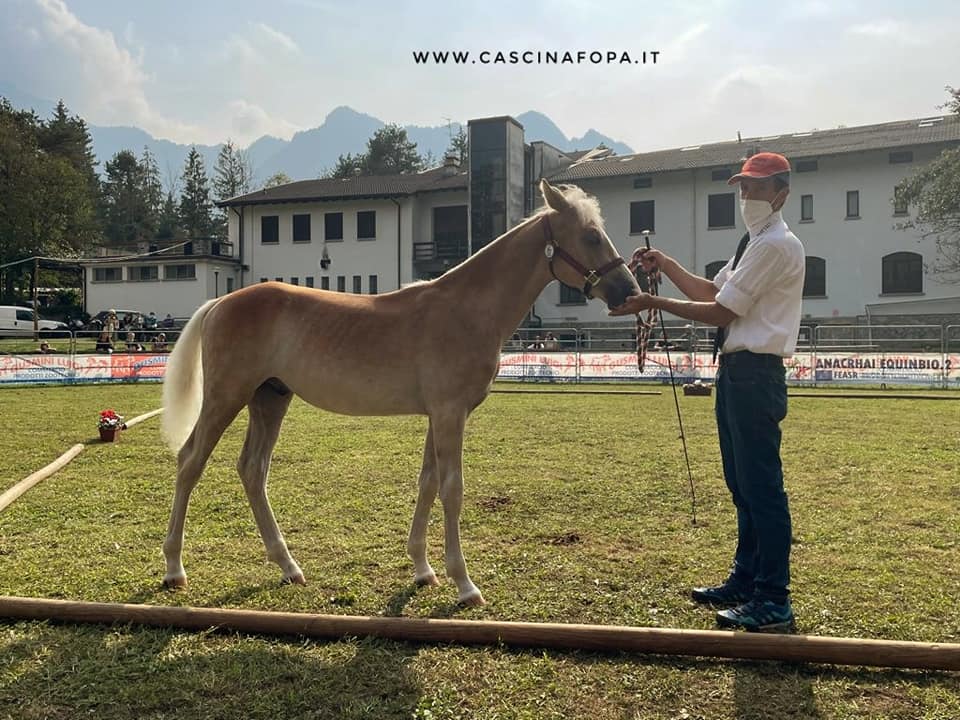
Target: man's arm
column 697, row 288
column 710, row 313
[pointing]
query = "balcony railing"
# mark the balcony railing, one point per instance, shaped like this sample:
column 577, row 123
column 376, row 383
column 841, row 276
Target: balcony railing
column 443, row 248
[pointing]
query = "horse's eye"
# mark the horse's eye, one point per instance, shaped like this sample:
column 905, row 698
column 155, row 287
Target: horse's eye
column 592, row 237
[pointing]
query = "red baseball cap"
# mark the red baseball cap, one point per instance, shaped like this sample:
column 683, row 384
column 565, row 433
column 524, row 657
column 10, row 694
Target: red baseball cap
column 762, row 165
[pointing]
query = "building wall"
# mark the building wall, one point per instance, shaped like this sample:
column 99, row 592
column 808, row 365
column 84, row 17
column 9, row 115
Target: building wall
column 853, row 248
column 348, row 257
column 177, row 297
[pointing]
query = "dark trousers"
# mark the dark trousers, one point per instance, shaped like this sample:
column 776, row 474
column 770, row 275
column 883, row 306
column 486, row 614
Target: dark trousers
column 751, row 402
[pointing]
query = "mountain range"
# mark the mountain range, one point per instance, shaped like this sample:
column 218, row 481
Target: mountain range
column 309, row 153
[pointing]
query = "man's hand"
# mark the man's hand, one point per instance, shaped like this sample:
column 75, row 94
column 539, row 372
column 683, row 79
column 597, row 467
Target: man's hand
column 650, row 259
column 634, row 304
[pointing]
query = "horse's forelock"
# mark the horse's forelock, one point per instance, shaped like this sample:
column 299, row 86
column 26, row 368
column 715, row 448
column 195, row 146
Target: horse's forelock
column 586, row 206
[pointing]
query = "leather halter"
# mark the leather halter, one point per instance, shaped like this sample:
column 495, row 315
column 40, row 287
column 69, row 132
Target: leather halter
column 591, row 278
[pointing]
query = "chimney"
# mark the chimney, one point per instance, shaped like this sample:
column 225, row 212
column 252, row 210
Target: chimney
column 451, row 164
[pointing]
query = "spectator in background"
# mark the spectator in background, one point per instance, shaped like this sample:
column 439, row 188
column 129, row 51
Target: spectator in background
column 160, row 344
column 132, row 344
column 150, row 322
column 550, row 342
column 45, row 348
column 111, row 325
column 537, row 343
column 104, row 343
column 167, row 323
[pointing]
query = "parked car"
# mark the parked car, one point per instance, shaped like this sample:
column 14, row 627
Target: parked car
column 17, row 321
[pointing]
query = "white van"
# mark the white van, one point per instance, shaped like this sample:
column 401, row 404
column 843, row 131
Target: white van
column 18, row 322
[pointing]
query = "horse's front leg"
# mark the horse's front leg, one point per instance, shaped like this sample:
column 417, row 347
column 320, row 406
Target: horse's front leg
column 448, row 444
column 429, row 483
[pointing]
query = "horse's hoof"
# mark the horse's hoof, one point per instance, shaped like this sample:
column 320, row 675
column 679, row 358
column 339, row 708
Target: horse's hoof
column 297, row 579
column 474, row 599
column 175, row 583
column 427, row 580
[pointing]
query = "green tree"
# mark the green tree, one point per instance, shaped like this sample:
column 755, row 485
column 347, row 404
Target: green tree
column 49, row 207
column 151, row 185
column 389, row 152
column 348, row 165
column 953, row 104
column 131, row 199
column 458, row 146
column 231, row 177
column 196, row 208
column 278, row 178
column 932, row 194
column 168, row 221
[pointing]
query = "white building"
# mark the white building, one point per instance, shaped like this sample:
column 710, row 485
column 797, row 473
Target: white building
column 380, row 233
column 172, row 280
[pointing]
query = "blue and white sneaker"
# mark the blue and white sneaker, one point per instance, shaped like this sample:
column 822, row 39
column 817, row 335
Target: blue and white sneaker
column 759, row 616
column 728, row 594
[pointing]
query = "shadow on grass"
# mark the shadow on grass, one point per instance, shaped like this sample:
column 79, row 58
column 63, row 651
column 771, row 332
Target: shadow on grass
column 125, row 672
column 774, row 691
column 768, row 691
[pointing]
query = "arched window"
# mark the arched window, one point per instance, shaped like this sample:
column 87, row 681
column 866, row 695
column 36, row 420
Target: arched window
column 713, row 268
column 815, row 280
column 902, row 273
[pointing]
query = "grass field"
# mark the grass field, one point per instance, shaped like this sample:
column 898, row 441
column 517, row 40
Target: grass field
column 576, row 510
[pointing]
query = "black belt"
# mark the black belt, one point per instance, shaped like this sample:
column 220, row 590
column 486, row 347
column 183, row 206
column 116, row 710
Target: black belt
column 746, row 358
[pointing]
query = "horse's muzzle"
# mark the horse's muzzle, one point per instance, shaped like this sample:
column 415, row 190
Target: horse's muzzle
column 618, row 287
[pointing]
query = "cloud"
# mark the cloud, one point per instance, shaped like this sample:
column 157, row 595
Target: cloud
column 744, row 81
column 277, row 37
column 60, row 56
column 249, row 121
column 259, row 44
column 878, row 29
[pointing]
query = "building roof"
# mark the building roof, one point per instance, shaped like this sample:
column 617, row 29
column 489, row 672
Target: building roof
column 359, row 186
column 818, row 143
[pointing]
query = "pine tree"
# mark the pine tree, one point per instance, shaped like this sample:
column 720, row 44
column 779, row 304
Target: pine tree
column 458, row 146
column 150, row 184
column 278, row 178
column 231, row 178
column 131, row 198
column 168, row 222
column 195, row 205
column 390, row 152
column 348, row 165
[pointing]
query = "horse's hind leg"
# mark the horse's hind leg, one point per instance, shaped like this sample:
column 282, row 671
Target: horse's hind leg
column 191, row 460
column 448, row 443
column 417, row 544
column 267, row 408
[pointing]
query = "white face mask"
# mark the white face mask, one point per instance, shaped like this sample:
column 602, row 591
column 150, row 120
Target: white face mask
column 755, row 212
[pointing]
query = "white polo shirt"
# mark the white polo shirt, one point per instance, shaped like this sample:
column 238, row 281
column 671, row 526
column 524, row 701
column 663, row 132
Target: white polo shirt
column 765, row 291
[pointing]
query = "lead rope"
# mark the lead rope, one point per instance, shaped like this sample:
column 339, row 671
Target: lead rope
column 645, row 328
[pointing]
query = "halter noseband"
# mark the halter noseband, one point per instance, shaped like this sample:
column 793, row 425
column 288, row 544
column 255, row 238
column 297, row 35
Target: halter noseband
column 591, row 278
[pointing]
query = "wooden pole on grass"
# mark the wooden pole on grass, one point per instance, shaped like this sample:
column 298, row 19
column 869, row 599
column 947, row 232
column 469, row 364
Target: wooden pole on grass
column 602, row 638
column 42, row 474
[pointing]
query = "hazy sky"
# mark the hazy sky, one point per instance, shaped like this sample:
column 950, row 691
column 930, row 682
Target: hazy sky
column 205, row 70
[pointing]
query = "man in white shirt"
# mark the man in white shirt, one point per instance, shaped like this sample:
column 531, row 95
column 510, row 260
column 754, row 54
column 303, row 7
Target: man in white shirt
column 755, row 300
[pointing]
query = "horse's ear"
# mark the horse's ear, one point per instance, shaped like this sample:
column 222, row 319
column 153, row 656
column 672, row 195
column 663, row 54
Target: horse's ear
column 553, row 197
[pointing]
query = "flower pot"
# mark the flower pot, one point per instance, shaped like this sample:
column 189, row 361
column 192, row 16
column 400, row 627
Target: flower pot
column 108, row 434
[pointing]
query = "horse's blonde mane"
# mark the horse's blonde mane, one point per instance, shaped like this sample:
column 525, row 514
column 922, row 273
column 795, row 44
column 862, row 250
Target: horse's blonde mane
column 587, row 206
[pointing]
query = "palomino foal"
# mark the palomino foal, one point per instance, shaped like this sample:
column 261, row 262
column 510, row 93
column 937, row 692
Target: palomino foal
column 430, row 349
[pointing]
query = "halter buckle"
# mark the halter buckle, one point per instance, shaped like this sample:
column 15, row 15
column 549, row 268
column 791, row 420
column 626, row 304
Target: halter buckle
column 592, row 278
column 548, row 251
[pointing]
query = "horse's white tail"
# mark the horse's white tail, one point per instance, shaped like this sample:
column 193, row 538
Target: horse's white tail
column 183, row 382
